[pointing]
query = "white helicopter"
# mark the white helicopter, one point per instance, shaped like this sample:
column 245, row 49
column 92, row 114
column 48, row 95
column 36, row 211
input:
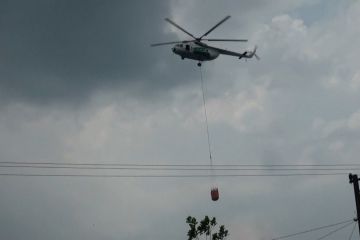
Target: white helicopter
column 197, row 50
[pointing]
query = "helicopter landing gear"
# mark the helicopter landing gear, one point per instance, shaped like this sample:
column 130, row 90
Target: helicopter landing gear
column 199, row 64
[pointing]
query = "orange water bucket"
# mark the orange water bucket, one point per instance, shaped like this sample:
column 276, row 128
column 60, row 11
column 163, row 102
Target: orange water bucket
column 214, row 194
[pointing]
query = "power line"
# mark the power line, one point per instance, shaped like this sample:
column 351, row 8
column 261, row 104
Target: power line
column 334, row 231
column 352, row 231
column 87, row 167
column 166, row 176
column 312, row 230
column 182, row 165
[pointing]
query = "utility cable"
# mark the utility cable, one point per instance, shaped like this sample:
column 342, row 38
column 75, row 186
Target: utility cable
column 167, row 176
column 177, row 165
column 312, row 230
column 334, row 231
column 86, row 167
column 352, row 231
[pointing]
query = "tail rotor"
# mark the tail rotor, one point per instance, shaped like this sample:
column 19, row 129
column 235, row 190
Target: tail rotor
column 254, row 53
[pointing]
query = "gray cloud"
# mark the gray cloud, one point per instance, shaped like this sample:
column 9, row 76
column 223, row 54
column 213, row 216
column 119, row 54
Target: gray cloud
column 64, row 50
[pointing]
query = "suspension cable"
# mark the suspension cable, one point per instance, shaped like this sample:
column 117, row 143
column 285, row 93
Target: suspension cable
column 206, row 118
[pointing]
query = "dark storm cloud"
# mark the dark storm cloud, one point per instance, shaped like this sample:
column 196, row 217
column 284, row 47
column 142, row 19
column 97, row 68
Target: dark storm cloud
column 64, row 50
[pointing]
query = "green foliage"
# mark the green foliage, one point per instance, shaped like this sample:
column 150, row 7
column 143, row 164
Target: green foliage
column 222, row 234
column 205, row 227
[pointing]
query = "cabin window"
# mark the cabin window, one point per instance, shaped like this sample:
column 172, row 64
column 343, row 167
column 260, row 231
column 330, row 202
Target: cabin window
column 187, row 47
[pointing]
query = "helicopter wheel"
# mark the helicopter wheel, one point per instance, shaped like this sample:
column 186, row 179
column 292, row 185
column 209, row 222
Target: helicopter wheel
column 199, row 64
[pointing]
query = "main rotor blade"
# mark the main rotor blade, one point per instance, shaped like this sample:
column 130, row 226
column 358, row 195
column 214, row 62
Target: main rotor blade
column 168, row 43
column 224, row 40
column 211, row 29
column 174, row 24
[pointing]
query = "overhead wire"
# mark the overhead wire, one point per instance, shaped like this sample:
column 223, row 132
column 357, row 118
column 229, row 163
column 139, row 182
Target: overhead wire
column 352, row 231
column 313, row 230
column 334, row 231
column 180, row 165
column 167, row 176
column 160, row 170
column 86, row 167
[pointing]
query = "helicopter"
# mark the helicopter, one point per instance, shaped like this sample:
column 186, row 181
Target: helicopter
column 196, row 49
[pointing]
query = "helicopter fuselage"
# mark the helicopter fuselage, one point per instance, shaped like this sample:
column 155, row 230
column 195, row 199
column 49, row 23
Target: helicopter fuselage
column 195, row 51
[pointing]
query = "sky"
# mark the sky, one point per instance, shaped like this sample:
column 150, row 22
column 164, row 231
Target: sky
column 79, row 83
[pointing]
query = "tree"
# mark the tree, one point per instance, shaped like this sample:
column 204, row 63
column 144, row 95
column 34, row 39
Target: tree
column 205, row 227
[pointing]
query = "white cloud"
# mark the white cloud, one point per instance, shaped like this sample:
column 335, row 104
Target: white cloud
column 349, row 124
column 243, row 110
